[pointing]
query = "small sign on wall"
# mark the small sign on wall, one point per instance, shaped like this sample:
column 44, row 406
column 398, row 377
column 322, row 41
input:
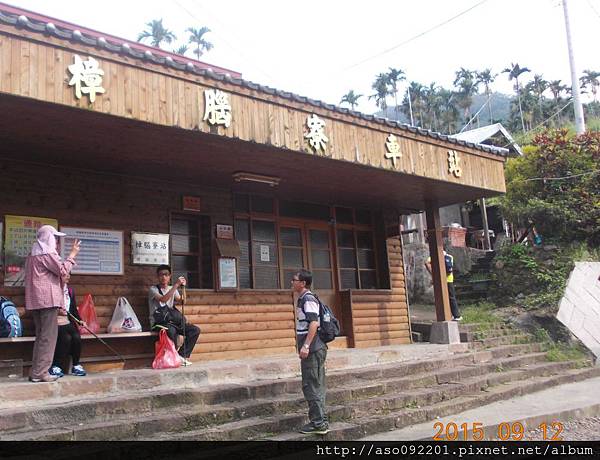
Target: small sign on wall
column 264, row 253
column 149, row 248
column 191, row 203
column 225, row 232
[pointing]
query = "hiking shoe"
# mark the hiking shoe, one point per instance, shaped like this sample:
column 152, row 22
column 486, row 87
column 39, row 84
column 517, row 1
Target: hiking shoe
column 309, row 428
column 458, row 318
column 56, row 371
column 78, row 370
column 45, row 378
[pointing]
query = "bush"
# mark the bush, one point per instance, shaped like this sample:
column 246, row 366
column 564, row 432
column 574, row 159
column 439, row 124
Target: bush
column 535, row 277
column 556, row 186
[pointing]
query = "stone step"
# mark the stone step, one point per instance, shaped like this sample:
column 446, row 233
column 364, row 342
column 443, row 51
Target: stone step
column 208, row 406
column 368, row 425
column 513, row 339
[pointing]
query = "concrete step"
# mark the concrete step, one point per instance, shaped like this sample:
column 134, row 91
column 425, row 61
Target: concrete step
column 371, row 424
column 103, row 419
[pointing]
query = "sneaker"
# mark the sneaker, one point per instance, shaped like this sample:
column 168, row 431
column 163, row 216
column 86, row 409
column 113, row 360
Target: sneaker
column 78, row 371
column 56, row 371
column 185, row 361
column 309, row 428
column 458, row 318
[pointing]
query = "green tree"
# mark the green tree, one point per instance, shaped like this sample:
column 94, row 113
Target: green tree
column 157, row 33
column 466, row 84
column 394, row 76
column 449, row 113
column 351, row 98
column 380, row 85
column 197, row 38
column 538, row 86
column 514, row 72
column 555, row 185
column 181, row 50
column 486, row 78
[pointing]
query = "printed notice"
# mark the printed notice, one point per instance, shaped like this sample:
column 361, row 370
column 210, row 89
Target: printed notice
column 264, row 253
column 101, row 250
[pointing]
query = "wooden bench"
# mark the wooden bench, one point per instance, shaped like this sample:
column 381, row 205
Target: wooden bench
column 137, row 348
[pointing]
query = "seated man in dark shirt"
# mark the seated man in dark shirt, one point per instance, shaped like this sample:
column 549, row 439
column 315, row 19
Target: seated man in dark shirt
column 163, row 296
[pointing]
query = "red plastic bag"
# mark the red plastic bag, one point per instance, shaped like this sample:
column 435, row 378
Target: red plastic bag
column 166, row 356
column 87, row 312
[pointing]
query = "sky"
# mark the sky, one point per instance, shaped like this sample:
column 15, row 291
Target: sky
column 323, row 49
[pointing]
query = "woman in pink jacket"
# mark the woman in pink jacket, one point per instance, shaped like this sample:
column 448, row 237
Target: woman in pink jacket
column 44, row 296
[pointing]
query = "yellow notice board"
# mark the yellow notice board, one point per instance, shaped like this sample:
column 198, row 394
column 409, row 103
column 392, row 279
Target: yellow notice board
column 19, row 235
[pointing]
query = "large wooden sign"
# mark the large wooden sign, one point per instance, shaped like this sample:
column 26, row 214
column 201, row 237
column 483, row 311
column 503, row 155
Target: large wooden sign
column 170, row 97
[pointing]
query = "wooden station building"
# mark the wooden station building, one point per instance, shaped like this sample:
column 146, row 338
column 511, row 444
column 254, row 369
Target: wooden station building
column 246, row 182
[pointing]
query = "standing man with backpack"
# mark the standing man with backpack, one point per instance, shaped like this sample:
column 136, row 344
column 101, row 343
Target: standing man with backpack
column 449, row 262
column 312, row 352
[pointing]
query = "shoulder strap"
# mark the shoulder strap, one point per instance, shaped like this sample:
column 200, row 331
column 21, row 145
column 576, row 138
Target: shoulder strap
column 159, row 289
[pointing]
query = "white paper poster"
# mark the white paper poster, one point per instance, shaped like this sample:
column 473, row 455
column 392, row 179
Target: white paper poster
column 227, row 273
column 264, row 253
column 101, row 250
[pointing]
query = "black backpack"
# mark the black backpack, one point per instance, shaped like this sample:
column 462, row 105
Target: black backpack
column 330, row 326
column 449, row 263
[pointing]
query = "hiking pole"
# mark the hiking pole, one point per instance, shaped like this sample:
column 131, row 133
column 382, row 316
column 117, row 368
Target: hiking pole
column 183, row 299
column 78, row 321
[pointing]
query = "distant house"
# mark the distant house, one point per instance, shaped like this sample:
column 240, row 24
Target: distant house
column 496, row 136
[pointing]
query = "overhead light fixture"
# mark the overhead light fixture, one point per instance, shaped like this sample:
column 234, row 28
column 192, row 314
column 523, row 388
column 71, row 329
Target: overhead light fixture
column 258, row 178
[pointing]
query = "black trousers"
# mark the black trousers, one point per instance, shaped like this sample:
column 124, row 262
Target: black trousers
column 452, row 299
column 191, row 337
column 68, row 344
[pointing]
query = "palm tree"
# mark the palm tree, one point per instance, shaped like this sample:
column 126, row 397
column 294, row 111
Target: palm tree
column 466, row 83
column 448, row 111
column 556, row 87
column 181, row 50
column 394, row 76
column 537, row 86
column 157, row 33
column 487, row 78
column 591, row 78
column 414, row 102
column 197, row 38
column 514, row 72
column 380, row 85
column 432, row 103
column 351, row 98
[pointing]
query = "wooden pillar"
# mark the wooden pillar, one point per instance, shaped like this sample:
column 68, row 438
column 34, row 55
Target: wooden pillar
column 486, row 228
column 438, row 266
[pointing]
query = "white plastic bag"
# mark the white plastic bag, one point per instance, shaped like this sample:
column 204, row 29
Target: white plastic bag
column 124, row 318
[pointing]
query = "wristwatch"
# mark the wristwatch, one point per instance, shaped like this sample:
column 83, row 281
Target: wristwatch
column 305, row 346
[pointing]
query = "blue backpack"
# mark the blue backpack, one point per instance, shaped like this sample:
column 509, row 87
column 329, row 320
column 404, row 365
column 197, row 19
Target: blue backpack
column 10, row 323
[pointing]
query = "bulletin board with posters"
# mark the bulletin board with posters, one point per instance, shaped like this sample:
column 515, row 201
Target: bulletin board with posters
column 20, row 234
column 101, row 250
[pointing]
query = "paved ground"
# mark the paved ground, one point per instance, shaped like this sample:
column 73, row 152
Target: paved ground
column 562, row 404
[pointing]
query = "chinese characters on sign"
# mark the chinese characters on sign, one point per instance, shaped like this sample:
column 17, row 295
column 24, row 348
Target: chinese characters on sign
column 149, row 248
column 21, row 233
column 316, row 133
column 87, row 78
column 454, row 163
column 393, row 149
column 227, row 273
column 217, row 109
